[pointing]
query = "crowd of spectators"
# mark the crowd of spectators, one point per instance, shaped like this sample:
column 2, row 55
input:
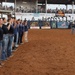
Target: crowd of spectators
column 26, row 10
column 41, row 10
column 6, row 8
column 55, row 10
column 33, row 9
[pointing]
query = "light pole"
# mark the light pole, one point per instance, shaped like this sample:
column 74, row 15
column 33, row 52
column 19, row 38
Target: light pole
column 5, row 5
column 73, row 9
column 46, row 6
column 36, row 6
column 15, row 8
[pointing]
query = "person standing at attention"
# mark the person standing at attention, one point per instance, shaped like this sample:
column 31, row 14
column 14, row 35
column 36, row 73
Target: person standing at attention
column 25, row 30
column 1, row 39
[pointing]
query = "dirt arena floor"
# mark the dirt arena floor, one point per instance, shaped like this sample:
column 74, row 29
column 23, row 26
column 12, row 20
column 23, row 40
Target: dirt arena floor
column 48, row 52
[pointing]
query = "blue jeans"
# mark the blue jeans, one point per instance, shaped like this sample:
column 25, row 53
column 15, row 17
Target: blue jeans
column 16, row 36
column 4, row 46
column 73, row 30
column 10, row 42
column 0, row 50
column 20, row 37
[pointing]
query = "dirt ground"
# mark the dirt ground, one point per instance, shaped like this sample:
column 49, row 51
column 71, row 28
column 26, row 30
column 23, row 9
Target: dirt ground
column 48, row 52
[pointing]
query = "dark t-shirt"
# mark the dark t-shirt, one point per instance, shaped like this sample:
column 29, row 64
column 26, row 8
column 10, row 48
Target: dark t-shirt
column 5, row 29
column 73, row 25
column 20, row 28
column 11, row 31
column 1, row 34
column 26, row 28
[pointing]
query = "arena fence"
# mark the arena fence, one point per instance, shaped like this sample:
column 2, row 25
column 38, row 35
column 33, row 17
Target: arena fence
column 48, row 24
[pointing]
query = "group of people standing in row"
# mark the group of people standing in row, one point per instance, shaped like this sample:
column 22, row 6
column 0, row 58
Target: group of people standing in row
column 11, row 33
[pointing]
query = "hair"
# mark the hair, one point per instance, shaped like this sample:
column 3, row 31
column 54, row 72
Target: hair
column 21, row 21
column 13, row 17
column 24, row 22
column 9, row 19
column 3, row 18
column 18, row 20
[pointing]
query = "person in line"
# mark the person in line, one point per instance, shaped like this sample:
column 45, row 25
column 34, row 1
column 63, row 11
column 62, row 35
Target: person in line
column 10, row 38
column 5, row 28
column 18, row 24
column 13, row 26
column 16, row 34
column 25, row 30
column 20, row 32
column 1, row 40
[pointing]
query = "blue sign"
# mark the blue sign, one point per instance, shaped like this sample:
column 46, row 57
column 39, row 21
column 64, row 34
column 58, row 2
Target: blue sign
column 62, row 24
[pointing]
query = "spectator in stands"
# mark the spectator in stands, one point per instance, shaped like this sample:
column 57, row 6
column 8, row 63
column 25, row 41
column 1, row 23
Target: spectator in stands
column 1, row 40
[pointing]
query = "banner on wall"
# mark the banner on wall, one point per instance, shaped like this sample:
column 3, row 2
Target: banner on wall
column 46, row 25
column 34, row 25
column 62, row 24
column 53, row 24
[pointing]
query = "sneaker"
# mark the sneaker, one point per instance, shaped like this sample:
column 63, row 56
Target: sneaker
column 22, row 43
column 0, row 65
column 11, row 56
column 13, row 49
column 26, row 40
column 16, row 45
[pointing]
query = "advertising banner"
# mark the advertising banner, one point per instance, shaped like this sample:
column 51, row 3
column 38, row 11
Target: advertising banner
column 34, row 25
column 53, row 24
column 61, row 24
column 46, row 25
